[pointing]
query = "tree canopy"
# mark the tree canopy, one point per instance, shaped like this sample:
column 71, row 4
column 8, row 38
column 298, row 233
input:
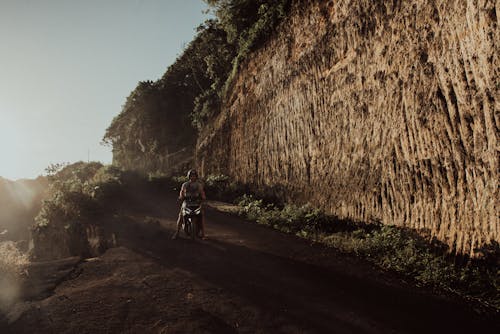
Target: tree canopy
column 163, row 117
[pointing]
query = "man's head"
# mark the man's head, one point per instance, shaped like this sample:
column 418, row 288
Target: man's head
column 192, row 175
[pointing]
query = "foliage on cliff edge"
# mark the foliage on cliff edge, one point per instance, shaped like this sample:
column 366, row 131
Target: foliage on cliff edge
column 82, row 195
column 160, row 119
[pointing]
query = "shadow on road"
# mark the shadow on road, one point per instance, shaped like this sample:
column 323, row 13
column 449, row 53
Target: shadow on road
column 315, row 298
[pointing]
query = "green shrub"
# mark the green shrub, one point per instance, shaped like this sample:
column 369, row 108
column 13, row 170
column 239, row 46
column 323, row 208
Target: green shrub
column 301, row 220
column 250, row 207
column 221, row 187
column 81, row 195
column 217, row 180
column 180, row 179
column 248, row 24
column 68, row 208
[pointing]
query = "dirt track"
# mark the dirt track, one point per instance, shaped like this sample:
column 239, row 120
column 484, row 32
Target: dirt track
column 246, row 278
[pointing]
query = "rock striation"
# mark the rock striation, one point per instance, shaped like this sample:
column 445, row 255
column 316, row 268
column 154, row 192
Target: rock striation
column 375, row 111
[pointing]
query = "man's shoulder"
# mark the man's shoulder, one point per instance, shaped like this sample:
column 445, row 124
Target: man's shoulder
column 195, row 184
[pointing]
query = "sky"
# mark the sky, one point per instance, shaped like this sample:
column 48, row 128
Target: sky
column 67, row 66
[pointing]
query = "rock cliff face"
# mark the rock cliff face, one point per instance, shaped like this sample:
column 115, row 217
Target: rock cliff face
column 374, row 110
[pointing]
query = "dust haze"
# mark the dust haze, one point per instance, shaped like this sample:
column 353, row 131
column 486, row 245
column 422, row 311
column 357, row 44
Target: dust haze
column 20, row 201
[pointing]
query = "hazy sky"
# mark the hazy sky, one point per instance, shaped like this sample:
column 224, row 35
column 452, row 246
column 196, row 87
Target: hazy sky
column 67, row 66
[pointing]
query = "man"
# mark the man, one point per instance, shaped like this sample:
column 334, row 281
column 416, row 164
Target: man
column 192, row 189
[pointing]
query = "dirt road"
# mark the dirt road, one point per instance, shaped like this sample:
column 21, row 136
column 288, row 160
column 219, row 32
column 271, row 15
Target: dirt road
column 245, row 279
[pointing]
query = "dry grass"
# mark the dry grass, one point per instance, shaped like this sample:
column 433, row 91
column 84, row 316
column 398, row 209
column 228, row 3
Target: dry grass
column 12, row 265
column 12, row 260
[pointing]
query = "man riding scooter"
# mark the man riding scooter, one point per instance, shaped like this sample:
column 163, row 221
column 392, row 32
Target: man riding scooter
column 192, row 190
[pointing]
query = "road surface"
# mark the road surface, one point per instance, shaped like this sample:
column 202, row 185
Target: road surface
column 245, row 278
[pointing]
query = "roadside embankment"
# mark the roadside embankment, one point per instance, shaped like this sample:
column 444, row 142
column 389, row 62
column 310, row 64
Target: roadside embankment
column 375, row 111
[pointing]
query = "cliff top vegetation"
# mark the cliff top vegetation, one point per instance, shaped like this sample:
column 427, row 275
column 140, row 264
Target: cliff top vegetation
column 162, row 117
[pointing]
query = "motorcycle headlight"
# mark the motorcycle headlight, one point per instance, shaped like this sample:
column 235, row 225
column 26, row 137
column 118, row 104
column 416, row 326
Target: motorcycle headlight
column 197, row 211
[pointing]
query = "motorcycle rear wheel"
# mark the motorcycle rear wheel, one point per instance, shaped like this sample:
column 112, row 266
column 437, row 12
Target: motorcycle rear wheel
column 187, row 227
column 194, row 229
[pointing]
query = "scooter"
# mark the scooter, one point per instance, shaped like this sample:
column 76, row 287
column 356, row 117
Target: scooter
column 191, row 218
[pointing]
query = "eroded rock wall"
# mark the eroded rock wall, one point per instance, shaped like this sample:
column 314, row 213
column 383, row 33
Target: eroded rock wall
column 376, row 111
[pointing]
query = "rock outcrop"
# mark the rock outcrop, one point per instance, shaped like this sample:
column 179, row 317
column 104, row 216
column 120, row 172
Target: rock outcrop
column 375, row 111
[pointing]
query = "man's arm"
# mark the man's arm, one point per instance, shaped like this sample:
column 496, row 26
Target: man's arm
column 182, row 193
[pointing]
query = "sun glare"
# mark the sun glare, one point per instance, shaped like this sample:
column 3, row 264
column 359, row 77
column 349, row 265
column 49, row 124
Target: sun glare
column 9, row 145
